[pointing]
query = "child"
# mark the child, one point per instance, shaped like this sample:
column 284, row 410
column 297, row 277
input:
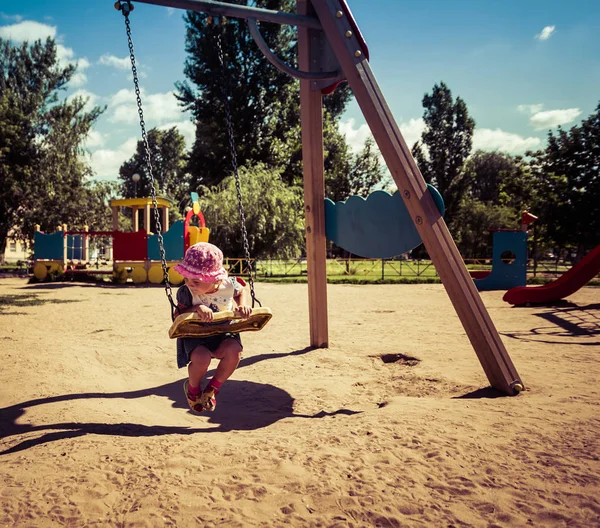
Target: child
column 208, row 289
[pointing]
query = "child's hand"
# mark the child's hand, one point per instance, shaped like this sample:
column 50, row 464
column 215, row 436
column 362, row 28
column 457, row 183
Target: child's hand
column 204, row 313
column 243, row 310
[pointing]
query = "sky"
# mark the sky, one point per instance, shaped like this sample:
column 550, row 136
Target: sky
column 523, row 67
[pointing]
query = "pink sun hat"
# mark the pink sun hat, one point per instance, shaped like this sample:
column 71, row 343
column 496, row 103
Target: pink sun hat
column 203, row 262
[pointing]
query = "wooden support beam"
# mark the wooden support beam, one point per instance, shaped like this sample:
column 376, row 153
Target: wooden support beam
column 465, row 298
column 311, row 117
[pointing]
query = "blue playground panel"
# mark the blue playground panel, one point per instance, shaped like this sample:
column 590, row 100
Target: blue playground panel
column 378, row 226
column 48, row 247
column 74, row 247
column 172, row 240
column 506, row 275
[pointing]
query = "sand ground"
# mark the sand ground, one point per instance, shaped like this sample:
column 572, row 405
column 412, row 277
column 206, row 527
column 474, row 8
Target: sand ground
column 96, row 430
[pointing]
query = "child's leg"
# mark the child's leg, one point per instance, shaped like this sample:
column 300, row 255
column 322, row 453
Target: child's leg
column 228, row 354
column 197, row 367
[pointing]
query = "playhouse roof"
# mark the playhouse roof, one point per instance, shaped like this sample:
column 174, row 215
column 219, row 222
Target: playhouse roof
column 140, row 202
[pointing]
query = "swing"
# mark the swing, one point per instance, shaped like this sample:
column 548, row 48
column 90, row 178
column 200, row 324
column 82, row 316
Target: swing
column 189, row 324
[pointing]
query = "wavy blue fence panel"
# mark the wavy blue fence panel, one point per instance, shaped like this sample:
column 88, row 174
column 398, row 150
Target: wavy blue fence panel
column 378, row 226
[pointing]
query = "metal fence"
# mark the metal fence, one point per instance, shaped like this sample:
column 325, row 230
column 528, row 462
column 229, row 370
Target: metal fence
column 377, row 269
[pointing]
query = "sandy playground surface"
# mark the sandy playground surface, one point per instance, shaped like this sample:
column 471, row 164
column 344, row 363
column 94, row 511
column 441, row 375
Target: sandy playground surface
column 96, row 430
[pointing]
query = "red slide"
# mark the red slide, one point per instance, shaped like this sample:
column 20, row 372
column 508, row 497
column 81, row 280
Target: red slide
column 579, row 275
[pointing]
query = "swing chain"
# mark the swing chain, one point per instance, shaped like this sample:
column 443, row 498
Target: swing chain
column 229, row 121
column 126, row 9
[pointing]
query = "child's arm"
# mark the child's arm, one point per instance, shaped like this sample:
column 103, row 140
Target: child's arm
column 240, row 297
column 184, row 305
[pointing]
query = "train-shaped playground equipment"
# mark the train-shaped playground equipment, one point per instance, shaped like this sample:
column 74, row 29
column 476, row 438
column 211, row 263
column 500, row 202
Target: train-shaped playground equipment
column 135, row 255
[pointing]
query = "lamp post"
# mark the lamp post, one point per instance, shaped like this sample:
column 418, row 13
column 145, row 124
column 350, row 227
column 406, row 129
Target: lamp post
column 135, row 178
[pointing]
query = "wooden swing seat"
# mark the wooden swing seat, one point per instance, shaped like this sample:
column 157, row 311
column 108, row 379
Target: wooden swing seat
column 190, row 325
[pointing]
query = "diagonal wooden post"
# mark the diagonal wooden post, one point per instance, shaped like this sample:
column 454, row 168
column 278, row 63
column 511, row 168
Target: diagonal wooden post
column 341, row 33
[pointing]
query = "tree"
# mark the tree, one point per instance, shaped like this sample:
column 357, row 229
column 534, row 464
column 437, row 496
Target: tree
column 274, row 217
column 473, row 223
column 445, row 145
column 41, row 172
column 570, row 166
column 168, row 160
column 264, row 102
column 362, row 174
column 486, row 171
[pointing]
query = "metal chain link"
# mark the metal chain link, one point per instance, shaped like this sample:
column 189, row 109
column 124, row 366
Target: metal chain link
column 125, row 9
column 229, row 121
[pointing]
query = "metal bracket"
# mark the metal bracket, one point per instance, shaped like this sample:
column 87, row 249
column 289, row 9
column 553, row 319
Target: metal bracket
column 314, row 75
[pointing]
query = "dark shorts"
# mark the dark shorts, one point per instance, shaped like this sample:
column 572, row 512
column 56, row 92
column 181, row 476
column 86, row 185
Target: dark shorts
column 185, row 346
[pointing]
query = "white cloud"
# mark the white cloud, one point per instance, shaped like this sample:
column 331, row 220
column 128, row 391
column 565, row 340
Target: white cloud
column 78, row 79
column 530, row 109
column 186, row 128
column 158, row 108
column 92, row 99
column 170, row 10
column 554, row 118
column 27, row 30
column 115, row 62
column 355, row 137
column 487, row 139
column 31, row 31
column 94, row 139
column 546, row 33
column 412, row 131
column 16, row 18
column 106, row 163
column 541, row 120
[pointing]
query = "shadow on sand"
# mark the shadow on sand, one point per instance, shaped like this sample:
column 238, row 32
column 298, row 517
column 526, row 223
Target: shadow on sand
column 569, row 324
column 243, row 406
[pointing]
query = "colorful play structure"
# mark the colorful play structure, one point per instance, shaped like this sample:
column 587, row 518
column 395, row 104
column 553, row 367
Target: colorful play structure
column 135, row 255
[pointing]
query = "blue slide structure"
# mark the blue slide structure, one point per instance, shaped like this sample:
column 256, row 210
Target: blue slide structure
column 509, row 262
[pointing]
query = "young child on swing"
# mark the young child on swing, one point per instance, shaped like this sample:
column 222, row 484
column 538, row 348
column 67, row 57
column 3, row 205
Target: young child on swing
column 208, row 289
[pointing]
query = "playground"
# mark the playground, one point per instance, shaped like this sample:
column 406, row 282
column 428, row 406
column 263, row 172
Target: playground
column 393, row 425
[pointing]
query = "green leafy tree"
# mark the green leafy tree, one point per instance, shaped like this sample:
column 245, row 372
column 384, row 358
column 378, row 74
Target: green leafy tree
column 264, row 102
column 274, row 216
column 41, row 172
column 486, row 171
column 445, row 145
column 570, row 168
column 360, row 175
column 473, row 223
column 168, row 160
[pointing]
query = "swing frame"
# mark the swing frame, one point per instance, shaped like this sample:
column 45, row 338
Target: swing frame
column 329, row 41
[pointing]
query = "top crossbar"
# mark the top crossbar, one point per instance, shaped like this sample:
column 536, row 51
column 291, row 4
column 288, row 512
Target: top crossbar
column 237, row 11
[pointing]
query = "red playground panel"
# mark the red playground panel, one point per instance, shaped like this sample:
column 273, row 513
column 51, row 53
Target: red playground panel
column 130, row 246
